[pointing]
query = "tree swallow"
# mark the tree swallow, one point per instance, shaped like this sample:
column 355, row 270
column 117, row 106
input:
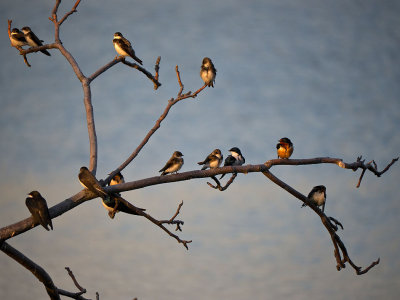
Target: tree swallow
column 90, row 182
column 208, row 72
column 124, row 47
column 213, row 160
column 17, row 38
column 33, row 40
column 117, row 179
column 113, row 204
column 284, row 148
column 317, row 196
column 234, row 159
column 38, row 207
column 173, row 164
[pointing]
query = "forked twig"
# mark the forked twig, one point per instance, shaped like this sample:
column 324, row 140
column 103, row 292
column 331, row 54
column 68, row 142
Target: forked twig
column 218, row 186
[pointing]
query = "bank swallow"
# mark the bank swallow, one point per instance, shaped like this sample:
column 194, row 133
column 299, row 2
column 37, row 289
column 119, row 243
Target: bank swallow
column 317, row 196
column 33, row 40
column 208, row 72
column 234, row 159
column 87, row 180
column 173, row 164
column 17, row 38
column 284, row 148
column 124, row 47
column 212, row 161
column 38, row 207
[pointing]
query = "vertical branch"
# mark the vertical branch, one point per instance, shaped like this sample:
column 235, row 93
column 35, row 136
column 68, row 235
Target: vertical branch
column 87, row 99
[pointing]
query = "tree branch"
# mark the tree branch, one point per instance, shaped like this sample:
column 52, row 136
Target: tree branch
column 337, row 243
column 85, row 195
column 156, row 126
column 36, row 270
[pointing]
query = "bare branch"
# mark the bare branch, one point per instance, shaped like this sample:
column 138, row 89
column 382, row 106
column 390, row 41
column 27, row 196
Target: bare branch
column 218, row 186
column 337, row 243
column 36, row 270
column 104, row 68
column 74, row 280
column 156, row 222
column 84, row 195
column 70, row 12
column 173, row 221
column 143, row 70
column 156, row 126
column 157, row 68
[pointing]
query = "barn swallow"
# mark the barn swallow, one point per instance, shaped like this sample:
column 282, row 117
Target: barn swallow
column 173, row 164
column 213, row 160
column 124, row 47
column 38, row 207
column 234, row 159
column 117, row 179
column 317, row 196
column 208, row 72
column 17, row 38
column 284, row 148
column 87, row 179
column 33, row 40
column 114, row 204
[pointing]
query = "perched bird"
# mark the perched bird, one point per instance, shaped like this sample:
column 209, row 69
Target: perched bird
column 115, row 204
column 17, row 38
column 33, row 40
column 117, row 179
column 234, row 159
column 208, row 72
column 124, row 47
column 213, row 160
column 317, row 196
column 284, row 148
column 38, row 207
column 87, row 179
column 173, row 164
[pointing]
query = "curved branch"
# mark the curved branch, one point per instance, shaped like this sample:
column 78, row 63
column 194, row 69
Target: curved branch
column 36, row 270
column 337, row 243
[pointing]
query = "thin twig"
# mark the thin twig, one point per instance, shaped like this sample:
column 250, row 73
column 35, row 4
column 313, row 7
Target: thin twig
column 157, row 69
column 156, row 222
column 218, row 186
column 70, row 12
column 74, row 280
column 143, row 70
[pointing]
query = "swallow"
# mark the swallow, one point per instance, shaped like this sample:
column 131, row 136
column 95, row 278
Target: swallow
column 173, row 164
column 284, row 148
column 234, row 159
column 208, row 72
column 213, row 160
column 317, row 196
column 124, row 47
column 17, row 38
column 33, row 40
column 38, row 207
column 115, row 203
column 117, row 179
column 87, row 179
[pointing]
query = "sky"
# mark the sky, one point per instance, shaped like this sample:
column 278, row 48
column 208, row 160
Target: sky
column 323, row 73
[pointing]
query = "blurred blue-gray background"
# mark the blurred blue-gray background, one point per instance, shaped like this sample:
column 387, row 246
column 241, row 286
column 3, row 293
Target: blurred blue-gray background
column 324, row 73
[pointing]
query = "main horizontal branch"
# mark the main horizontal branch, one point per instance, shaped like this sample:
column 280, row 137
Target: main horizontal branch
column 85, row 195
